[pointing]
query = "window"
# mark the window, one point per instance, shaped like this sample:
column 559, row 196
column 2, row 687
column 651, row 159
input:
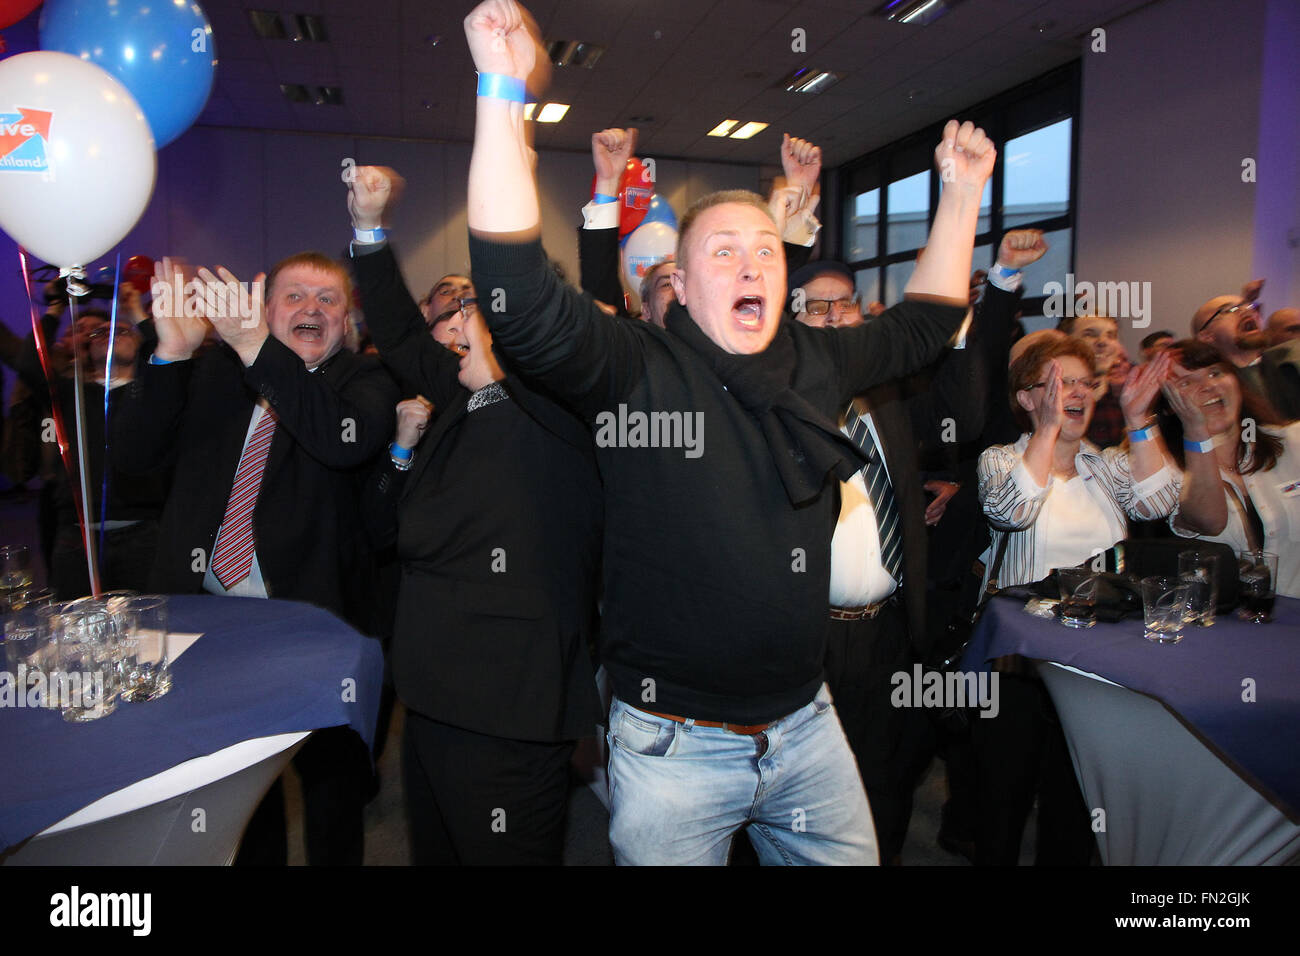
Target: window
column 890, row 195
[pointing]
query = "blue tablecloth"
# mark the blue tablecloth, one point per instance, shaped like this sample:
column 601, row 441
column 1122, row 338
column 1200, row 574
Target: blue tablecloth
column 261, row 668
column 1202, row 679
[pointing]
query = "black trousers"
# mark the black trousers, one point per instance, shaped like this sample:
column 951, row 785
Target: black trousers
column 1021, row 753
column 473, row 799
column 892, row 745
column 334, row 765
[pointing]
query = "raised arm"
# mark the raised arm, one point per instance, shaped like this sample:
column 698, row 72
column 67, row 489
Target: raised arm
column 965, row 158
column 503, row 41
column 420, row 363
column 598, row 236
column 1202, row 507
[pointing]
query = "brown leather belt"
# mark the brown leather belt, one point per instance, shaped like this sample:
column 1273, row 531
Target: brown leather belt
column 857, row 613
column 747, row 730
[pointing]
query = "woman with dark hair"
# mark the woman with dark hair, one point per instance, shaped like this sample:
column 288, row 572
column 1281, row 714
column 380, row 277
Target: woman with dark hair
column 1258, row 459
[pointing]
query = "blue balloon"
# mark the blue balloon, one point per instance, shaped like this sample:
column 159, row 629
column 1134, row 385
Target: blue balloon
column 660, row 211
column 162, row 51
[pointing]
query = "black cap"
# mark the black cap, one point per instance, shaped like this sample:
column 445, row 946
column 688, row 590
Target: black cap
column 819, row 267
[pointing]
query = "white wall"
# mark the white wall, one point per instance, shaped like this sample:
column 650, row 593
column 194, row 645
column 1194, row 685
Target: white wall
column 1169, row 112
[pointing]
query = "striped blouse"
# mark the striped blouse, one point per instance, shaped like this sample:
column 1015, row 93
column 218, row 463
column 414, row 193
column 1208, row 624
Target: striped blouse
column 1012, row 500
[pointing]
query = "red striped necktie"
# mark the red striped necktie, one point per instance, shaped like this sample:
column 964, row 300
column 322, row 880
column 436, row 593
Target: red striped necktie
column 233, row 557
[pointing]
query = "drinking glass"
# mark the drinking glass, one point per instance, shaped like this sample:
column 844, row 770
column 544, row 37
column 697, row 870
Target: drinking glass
column 1199, row 570
column 1164, row 607
column 15, row 572
column 1078, row 596
column 150, row 676
column 1257, row 577
column 89, row 672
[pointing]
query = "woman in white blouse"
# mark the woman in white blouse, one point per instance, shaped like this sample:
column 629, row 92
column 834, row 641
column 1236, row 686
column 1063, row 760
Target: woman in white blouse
column 1258, row 467
column 1056, row 498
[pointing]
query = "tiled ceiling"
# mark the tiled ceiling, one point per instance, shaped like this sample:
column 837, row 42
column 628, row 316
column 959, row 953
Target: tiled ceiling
column 405, row 70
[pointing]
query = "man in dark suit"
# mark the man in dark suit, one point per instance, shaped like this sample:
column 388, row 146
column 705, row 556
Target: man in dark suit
column 267, row 432
column 497, row 520
column 878, row 578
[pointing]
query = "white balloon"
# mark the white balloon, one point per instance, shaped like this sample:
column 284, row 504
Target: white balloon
column 649, row 244
column 71, row 195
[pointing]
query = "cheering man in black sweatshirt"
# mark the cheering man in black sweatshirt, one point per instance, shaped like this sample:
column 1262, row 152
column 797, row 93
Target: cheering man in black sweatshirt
column 717, row 441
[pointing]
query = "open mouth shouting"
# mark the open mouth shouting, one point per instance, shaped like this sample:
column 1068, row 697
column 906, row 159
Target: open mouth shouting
column 308, row 332
column 749, row 312
column 1074, row 412
column 1214, row 404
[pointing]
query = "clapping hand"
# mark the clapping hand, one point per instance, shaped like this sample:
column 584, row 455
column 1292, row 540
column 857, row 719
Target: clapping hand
column 1178, row 388
column 179, row 334
column 1141, row 388
column 245, row 333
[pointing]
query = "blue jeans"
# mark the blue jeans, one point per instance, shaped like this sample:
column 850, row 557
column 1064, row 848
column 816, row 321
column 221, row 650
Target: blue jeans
column 679, row 792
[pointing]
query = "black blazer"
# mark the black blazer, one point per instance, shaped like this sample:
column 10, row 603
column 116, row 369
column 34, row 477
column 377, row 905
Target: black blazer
column 498, row 527
column 195, row 414
column 945, row 404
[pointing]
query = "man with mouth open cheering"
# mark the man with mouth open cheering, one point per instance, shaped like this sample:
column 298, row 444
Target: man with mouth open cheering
column 267, row 432
column 716, row 568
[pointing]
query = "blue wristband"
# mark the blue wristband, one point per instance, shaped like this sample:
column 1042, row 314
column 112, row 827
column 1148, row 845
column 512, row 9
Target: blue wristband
column 1204, row 447
column 155, row 360
column 498, row 86
column 1141, row 434
column 1002, row 272
column 601, row 198
column 369, row 236
column 397, row 451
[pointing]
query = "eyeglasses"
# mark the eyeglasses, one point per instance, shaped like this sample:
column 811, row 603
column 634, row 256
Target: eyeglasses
column 1229, row 310
column 1090, row 384
column 462, row 306
column 822, row 306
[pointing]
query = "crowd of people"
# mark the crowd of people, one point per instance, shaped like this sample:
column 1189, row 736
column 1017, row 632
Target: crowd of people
column 443, row 484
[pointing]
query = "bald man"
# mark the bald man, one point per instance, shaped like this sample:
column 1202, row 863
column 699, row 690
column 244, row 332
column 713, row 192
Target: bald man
column 1232, row 324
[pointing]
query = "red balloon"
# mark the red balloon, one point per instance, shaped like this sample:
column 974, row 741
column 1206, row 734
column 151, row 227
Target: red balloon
column 139, row 273
column 11, row 11
column 635, row 190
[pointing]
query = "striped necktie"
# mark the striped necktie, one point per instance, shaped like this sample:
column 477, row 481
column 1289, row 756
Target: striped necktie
column 880, row 491
column 232, row 558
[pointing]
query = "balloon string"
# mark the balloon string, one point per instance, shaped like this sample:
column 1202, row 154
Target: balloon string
column 108, row 383
column 83, row 447
column 56, row 409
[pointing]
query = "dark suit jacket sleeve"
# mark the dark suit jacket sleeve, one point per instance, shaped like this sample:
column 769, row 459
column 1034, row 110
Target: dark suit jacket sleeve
column 796, row 257
column 341, row 420
column 992, row 338
column 148, row 414
column 552, row 333
column 598, row 265
column 898, row 342
column 379, row 497
column 421, row 365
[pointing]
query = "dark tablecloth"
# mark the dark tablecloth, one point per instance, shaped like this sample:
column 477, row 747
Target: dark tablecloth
column 261, row 668
column 1236, row 685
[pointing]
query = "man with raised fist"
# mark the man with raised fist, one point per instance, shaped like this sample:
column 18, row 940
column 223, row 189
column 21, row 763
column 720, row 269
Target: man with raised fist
column 717, row 564
column 495, row 514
